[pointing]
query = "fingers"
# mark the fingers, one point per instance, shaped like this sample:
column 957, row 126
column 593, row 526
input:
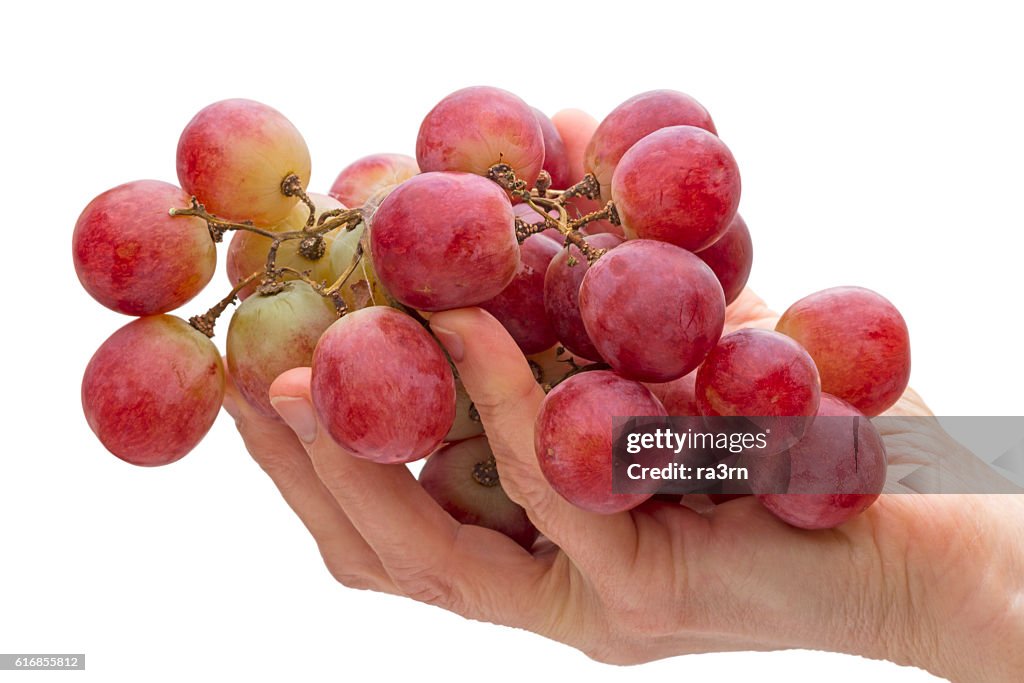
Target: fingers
column 749, row 310
column 427, row 555
column 274, row 447
column 575, row 127
column 505, row 393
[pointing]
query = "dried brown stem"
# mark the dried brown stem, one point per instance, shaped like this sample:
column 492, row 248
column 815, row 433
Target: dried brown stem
column 205, row 322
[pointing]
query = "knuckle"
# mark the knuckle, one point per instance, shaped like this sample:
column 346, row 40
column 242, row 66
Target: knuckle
column 429, row 586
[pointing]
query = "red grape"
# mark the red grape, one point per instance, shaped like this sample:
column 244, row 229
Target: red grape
column 153, row 390
column 445, row 240
column 562, row 296
column 731, row 257
column 233, row 156
column 652, row 310
column 134, row 257
column 361, row 179
column 382, row 386
column 463, row 479
column 271, row 334
column 634, row 119
column 573, row 437
column 520, row 306
column 859, row 342
column 759, row 373
column 680, row 185
column 835, row 472
column 475, row 128
column 556, row 162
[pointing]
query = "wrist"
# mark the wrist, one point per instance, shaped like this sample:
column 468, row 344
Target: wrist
column 963, row 611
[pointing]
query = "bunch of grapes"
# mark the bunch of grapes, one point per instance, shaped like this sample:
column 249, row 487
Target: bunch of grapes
column 614, row 286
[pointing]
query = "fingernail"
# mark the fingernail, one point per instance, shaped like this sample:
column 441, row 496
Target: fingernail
column 297, row 414
column 451, row 341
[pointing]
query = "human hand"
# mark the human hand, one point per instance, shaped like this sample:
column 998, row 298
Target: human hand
column 933, row 581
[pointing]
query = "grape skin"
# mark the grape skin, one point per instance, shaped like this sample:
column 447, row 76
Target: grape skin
column 679, row 184
column 271, row 334
column 153, row 390
column 233, row 156
column 382, row 387
column 652, row 310
column 573, row 437
column 444, row 240
column 135, row 258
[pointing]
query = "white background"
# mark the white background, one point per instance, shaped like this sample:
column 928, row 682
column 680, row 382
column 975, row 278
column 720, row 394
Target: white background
column 878, row 146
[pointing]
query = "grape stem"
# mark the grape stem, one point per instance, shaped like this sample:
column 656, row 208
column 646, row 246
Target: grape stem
column 506, row 178
column 205, row 322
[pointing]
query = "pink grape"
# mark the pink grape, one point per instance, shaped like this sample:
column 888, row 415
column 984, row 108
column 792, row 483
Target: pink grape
column 731, row 257
column 761, row 374
column 634, row 119
column 153, row 390
column 247, row 252
column 463, row 480
column 475, row 128
column 859, row 342
column 680, row 185
column 445, row 240
column 233, row 156
column 271, row 334
column 562, row 296
column 652, row 310
column 364, row 177
column 520, row 306
column 573, row 437
column 135, row 258
column 575, row 127
column 556, row 161
column 382, row 386
column 835, row 472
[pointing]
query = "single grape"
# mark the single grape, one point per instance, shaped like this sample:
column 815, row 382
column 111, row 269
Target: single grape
column 361, row 179
column 556, row 162
column 133, row 257
column 761, row 375
column 153, row 389
column 680, row 185
column 233, row 156
column 635, row 119
column 463, row 479
column 652, row 310
column 859, row 342
column 562, row 296
column 573, row 437
column 444, row 240
column 382, row 386
column 731, row 257
column 271, row 334
column 836, row 471
column 520, row 306
column 247, row 252
column 475, row 128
